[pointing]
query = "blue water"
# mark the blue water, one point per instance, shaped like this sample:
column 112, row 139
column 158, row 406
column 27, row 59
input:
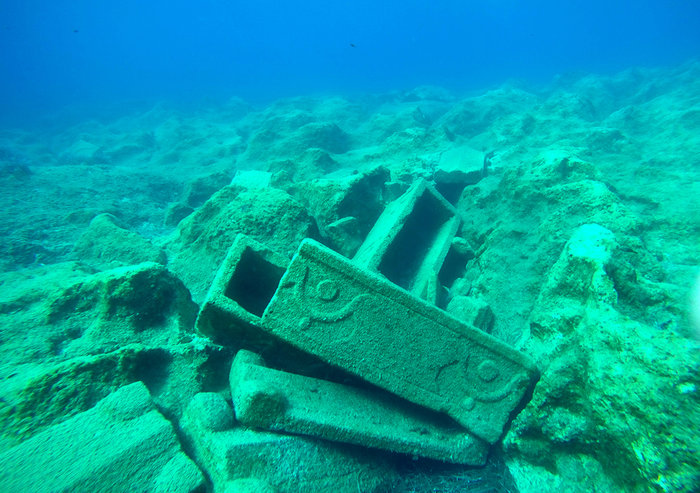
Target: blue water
column 60, row 53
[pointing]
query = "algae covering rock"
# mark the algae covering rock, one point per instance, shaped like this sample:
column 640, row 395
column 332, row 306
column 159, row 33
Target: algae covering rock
column 66, row 311
column 268, row 215
column 292, row 135
column 86, row 452
column 48, row 393
column 617, row 398
column 517, row 222
column 141, row 303
column 107, row 244
column 78, row 336
column 345, row 206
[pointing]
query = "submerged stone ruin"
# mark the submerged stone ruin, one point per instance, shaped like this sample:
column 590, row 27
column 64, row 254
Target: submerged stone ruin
column 423, row 382
column 337, row 361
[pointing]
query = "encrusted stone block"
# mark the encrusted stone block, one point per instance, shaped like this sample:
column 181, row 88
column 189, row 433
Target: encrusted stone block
column 243, row 459
column 123, row 444
column 356, row 320
column 285, row 402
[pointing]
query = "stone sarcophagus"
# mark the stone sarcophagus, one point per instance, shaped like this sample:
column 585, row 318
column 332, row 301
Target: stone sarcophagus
column 368, row 326
column 410, row 240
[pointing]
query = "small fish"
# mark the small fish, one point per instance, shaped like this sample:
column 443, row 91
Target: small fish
column 352, row 45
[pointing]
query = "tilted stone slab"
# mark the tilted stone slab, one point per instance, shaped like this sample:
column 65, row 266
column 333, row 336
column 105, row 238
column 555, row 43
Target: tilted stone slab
column 244, row 284
column 286, row 402
column 245, row 459
column 410, row 240
column 123, row 444
column 358, row 321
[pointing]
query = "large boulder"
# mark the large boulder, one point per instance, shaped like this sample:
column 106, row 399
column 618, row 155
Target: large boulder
column 106, row 243
column 268, row 215
column 615, row 400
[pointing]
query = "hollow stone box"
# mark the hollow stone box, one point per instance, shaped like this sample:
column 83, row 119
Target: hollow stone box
column 371, row 319
column 360, row 322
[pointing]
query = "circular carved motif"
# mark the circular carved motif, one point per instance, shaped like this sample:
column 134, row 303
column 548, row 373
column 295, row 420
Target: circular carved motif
column 304, row 323
column 487, row 371
column 468, row 403
column 327, row 290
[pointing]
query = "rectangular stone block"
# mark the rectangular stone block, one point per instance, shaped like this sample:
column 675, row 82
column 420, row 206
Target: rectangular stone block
column 244, row 459
column 123, row 444
column 410, row 240
column 244, row 284
column 285, row 402
column 358, row 321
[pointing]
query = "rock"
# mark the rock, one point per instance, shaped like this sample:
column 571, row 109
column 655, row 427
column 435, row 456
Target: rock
column 16, row 171
column 87, row 452
column 176, row 212
column 610, row 384
column 77, row 335
column 82, row 152
column 472, row 116
column 252, row 179
column 521, row 219
column 127, row 300
column 290, row 138
column 315, row 162
column 429, row 93
column 45, row 394
column 392, row 119
column 345, row 207
column 458, row 167
column 472, row 311
column 201, row 188
column 326, row 136
column 106, row 244
column 70, row 312
column 268, row 215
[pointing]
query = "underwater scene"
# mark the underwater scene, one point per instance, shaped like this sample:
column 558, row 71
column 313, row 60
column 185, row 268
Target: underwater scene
column 360, row 246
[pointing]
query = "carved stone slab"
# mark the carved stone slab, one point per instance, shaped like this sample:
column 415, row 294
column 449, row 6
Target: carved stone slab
column 286, row 402
column 356, row 320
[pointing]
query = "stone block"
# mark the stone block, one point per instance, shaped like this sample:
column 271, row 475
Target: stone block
column 457, row 168
column 122, row 444
column 410, row 240
column 356, row 320
column 238, row 459
column 242, row 288
column 289, row 403
column 474, row 311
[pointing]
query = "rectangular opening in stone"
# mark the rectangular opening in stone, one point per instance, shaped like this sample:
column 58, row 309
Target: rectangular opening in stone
column 253, row 282
column 403, row 258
